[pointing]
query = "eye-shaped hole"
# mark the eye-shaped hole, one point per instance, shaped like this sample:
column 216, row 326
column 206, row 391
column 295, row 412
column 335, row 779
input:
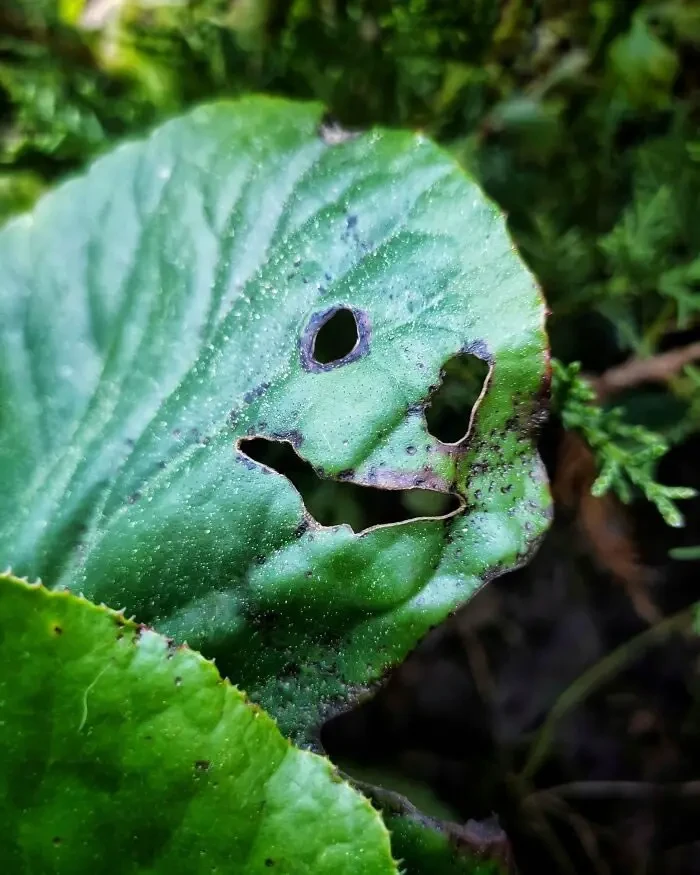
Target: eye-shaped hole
column 335, row 337
column 450, row 409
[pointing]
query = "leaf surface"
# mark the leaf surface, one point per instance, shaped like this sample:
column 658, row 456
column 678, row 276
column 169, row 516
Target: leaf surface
column 122, row 752
column 163, row 308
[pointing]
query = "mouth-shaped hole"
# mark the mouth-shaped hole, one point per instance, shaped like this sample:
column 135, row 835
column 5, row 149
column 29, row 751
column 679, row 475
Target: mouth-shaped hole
column 451, row 407
column 334, row 503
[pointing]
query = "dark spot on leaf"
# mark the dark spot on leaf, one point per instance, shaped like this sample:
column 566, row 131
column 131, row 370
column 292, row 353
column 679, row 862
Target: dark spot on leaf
column 411, row 450
column 202, row 765
column 176, row 432
column 178, row 681
column 351, row 221
column 452, row 405
column 479, row 349
column 56, row 840
column 294, row 437
column 302, row 528
column 57, row 630
column 396, row 496
column 269, row 862
column 162, row 465
column 246, row 461
column 134, row 497
column 252, row 394
column 333, row 338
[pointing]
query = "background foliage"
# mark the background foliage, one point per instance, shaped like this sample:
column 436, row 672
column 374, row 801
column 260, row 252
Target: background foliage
column 579, row 118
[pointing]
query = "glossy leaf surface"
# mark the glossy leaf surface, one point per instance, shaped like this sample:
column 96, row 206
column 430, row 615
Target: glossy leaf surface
column 161, row 309
column 122, row 752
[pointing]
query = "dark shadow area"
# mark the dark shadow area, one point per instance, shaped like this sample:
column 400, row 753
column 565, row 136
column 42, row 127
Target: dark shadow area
column 451, row 405
column 617, row 788
column 334, row 503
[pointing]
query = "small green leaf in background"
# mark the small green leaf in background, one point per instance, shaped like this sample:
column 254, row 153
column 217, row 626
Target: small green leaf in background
column 431, row 851
column 162, row 309
column 642, row 65
column 122, row 752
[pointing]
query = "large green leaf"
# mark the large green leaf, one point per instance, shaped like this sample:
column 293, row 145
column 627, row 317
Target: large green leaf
column 161, row 308
column 122, row 752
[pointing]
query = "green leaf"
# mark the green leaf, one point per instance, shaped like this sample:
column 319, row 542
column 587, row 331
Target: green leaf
column 427, row 849
column 159, row 310
column 643, row 66
column 685, row 553
column 122, row 752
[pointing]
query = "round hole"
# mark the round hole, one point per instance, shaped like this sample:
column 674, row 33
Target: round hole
column 336, row 338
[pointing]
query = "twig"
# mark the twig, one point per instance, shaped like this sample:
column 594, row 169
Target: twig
column 658, row 368
column 546, row 800
column 595, row 677
column 647, row 790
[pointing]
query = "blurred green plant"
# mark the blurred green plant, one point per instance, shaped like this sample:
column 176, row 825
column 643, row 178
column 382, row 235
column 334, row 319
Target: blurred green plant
column 580, row 118
column 626, row 454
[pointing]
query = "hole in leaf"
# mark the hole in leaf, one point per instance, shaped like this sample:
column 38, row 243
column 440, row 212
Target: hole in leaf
column 449, row 411
column 334, row 503
column 336, row 338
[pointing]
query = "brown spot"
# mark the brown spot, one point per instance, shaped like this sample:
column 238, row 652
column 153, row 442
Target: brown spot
column 383, row 478
column 483, row 838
